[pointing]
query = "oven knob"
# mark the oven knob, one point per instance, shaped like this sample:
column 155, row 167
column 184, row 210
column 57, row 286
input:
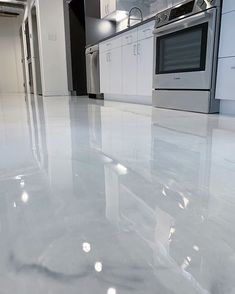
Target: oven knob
column 200, row 2
column 164, row 17
column 158, row 19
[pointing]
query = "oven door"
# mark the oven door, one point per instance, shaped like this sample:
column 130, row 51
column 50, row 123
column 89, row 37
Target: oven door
column 184, row 53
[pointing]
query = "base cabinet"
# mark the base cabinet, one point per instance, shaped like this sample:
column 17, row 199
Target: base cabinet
column 129, row 69
column 111, row 71
column 115, row 71
column 104, row 72
column 145, row 67
column 225, row 79
column 126, row 65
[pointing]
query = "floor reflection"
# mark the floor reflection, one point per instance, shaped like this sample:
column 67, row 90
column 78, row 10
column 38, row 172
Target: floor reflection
column 115, row 198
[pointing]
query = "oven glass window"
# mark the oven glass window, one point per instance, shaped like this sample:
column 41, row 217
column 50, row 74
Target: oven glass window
column 182, row 51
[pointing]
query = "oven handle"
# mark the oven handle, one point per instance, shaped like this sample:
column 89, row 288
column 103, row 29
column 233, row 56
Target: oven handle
column 184, row 23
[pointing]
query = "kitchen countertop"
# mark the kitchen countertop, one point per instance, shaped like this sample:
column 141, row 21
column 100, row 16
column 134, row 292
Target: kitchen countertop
column 123, row 31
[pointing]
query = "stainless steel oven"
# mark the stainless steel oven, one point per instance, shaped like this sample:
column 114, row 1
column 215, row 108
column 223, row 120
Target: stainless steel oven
column 186, row 49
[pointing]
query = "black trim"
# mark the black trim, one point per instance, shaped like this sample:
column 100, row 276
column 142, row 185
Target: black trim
column 200, row 90
column 204, row 27
column 182, row 10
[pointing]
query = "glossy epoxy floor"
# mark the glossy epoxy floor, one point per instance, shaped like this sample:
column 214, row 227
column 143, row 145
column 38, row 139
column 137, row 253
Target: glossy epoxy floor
column 113, row 198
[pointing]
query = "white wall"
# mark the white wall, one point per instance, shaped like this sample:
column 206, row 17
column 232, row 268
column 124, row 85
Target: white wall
column 11, row 74
column 52, row 48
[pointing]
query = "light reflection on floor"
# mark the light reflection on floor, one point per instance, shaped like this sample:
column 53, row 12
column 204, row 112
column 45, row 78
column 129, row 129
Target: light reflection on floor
column 105, row 197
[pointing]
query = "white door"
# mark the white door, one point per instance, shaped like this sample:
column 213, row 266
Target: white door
column 104, row 71
column 129, row 69
column 116, row 71
column 145, row 67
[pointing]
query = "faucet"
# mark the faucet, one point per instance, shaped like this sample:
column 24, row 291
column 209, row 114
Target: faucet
column 129, row 16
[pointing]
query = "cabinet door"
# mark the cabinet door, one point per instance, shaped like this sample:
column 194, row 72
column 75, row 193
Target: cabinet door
column 104, row 71
column 115, row 77
column 146, row 31
column 107, row 7
column 227, row 42
column 103, row 8
column 145, row 67
column 225, row 88
column 228, row 5
column 111, row 6
column 129, row 69
column 129, row 37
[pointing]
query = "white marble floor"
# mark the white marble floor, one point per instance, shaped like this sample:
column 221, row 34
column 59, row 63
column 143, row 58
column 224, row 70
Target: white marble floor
column 113, row 198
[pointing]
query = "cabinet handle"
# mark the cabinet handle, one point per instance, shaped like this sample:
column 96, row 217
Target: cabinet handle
column 135, row 49
column 129, row 39
column 138, row 49
column 146, row 30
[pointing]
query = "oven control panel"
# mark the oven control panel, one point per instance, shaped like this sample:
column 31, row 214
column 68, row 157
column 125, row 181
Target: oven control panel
column 184, row 9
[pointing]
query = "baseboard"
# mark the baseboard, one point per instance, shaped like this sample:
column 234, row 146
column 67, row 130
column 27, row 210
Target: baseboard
column 227, row 107
column 138, row 99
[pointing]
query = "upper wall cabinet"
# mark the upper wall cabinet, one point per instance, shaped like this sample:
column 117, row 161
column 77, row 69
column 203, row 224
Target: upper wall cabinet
column 107, row 7
column 118, row 9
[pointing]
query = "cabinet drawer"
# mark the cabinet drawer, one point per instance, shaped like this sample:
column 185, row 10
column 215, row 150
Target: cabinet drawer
column 225, row 88
column 110, row 44
column 146, row 31
column 227, row 41
column 228, row 5
column 129, row 38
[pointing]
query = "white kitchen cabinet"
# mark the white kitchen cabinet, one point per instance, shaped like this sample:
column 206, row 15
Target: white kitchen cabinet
column 111, row 66
column 129, row 69
column 227, row 42
column 130, row 37
column 145, row 31
column 145, row 67
column 107, row 7
column 110, row 44
column 115, row 74
column 228, row 5
column 225, row 79
column 126, row 65
column 104, row 71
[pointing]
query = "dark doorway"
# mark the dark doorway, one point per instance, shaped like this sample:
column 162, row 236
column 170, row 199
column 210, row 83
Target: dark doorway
column 76, row 43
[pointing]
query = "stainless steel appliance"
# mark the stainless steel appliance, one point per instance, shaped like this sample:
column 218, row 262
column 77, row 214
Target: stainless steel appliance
column 93, row 72
column 186, row 49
